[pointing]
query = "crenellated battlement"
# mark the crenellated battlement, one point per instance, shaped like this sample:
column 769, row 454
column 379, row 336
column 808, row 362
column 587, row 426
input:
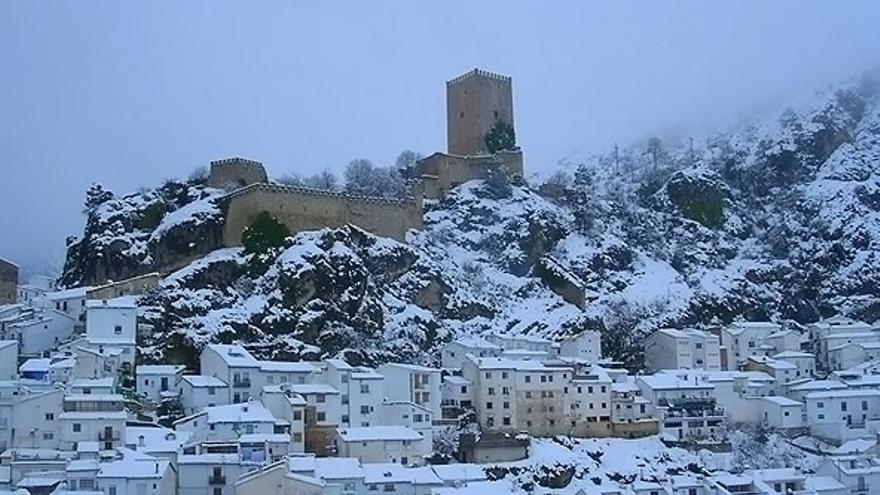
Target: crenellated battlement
column 323, row 193
column 479, row 72
column 236, row 172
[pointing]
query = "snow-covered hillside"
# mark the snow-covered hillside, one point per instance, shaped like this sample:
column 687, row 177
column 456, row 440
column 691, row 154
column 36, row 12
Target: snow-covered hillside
column 776, row 220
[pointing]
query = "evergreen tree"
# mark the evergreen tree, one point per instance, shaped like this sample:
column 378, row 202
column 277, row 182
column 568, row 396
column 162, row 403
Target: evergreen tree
column 96, row 195
column 582, row 199
column 265, row 233
column 500, row 138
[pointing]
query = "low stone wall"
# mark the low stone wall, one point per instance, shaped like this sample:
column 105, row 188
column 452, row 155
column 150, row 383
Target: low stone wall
column 441, row 172
column 303, row 209
column 133, row 286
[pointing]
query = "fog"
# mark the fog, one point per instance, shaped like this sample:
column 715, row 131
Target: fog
column 127, row 95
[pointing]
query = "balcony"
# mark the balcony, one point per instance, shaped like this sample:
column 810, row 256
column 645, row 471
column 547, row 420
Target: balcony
column 216, row 479
column 241, row 383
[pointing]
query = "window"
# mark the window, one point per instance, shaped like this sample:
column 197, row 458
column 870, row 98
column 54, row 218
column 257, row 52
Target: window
column 505, row 405
column 528, row 378
column 217, row 491
column 506, row 421
column 417, row 418
column 843, row 406
column 117, row 330
column 404, row 460
column 389, row 487
column 604, row 389
column 820, row 405
column 365, row 388
column 590, row 389
column 491, row 391
column 270, row 379
column 488, row 375
column 463, row 389
column 77, row 427
column 488, row 405
column 365, row 409
column 48, row 435
column 699, row 345
column 344, row 418
column 543, row 378
column 550, row 378
column 864, row 405
column 322, row 416
column 528, row 423
column 297, row 437
column 344, row 399
column 211, row 391
column 111, row 490
column 504, row 375
column 528, row 395
column 50, row 416
column 821, row 416
column 320, row 398
column 505, row 390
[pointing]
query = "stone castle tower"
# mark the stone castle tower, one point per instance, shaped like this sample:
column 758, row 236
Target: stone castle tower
column 475, row 102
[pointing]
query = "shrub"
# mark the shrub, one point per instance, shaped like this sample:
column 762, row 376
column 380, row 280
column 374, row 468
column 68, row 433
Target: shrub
column 265, row 233
column 500, row 138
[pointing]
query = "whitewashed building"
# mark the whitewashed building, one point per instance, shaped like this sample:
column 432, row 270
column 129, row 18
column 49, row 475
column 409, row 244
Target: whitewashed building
column 200, row 391
column 113, row 323
column 782, row 413
column 158, row 382
column 452, row 354
column 671, row 349
column 586, row 345
column 236, row 367
column 92, row 418
column 842, row 415
column 742, row 339
column 411, row 383
column 393, row 444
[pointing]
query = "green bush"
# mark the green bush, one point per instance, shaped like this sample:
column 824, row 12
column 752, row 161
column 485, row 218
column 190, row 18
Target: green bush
column 265, row 233
column 500, row 138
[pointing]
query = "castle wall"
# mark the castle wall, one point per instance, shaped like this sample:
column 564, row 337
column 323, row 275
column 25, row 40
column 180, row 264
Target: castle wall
column 442, row 172
column 236, row 172
column 474, row 103
column 308, row 209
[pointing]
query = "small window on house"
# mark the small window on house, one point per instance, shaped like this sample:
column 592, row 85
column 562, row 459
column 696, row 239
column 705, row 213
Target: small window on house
column 322, row 416
column 117, row 329
column 50, row 416
column 77, row 427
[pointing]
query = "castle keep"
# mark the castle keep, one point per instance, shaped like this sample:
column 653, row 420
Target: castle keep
column 475, row 103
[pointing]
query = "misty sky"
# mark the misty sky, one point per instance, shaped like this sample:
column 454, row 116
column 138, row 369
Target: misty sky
column 128, row 95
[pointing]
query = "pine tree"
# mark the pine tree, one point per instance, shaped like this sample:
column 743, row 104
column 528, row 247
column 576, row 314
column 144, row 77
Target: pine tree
column 265, row 233
column 500, row 138
column 95, row 196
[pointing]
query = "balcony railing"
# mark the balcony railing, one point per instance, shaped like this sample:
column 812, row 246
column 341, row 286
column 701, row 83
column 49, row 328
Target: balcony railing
column 216, row 479
column 242, row 383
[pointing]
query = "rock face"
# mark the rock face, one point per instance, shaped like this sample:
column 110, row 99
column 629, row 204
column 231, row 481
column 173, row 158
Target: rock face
column 777, row 220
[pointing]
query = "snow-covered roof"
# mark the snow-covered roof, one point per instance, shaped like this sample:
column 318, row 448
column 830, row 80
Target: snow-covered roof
column 107, row 382
column 8, row 343
column 312, row 388
column 155, row 439
column 249, row 412
column 159, row 369
column 669, row 380
column 456, row 380
column 782, row 401
column 264, row 437
column 114, row 303
column 73, row 293
column 843, row 394
column 134, row 465
column 235, row 355
column 378, row 433
column 35, row 365
column 411, row 367
column 366, row 375
column 475, row 342
column 738, row 327
column 200, row 381
column 288, row 367
column 819, row 385
column 387, row 473
column 329, row 468
column 793, row 354
column 501, row 363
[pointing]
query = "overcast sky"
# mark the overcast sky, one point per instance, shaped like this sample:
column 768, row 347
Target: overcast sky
column 128, row 95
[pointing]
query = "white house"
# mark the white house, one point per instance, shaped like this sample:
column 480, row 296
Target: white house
column 158, row 382
column 805, row 363
column 586, row 345
column 39, row 331
column 113, row 323
column 456, row 394
column 288, row 406
column 453, row 353
column 98, row 362
column 236, row 367
column 394, row 444
column 136, row 474
column 742, row 339
column 782, row 413
column 28, row 417
column 229, row 422
column 525, row 343
column 211, row 473
column 842, row 415
column 92, row 418
column 850, row 354
column 69, row 301
column 200, row 391
column 686, row 405
column 418, row 384
column 783, row 372
column 670, row 349
column 8, row 359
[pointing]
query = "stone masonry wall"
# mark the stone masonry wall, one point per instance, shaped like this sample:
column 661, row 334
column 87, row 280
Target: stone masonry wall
column 309, row 209
column 474, row 103
column 8, row 282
